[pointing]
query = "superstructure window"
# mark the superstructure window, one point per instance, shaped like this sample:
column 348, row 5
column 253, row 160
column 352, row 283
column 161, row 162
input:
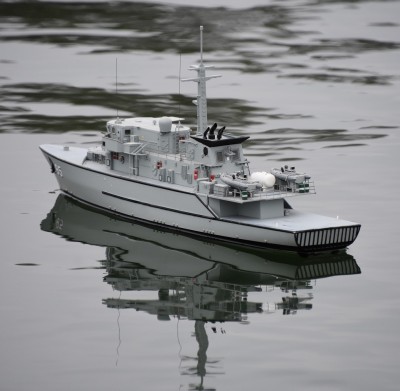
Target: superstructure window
column 236, row 154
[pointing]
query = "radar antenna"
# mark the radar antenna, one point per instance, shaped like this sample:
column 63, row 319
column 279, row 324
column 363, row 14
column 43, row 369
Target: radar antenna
column 201, row 101
column 116, row 84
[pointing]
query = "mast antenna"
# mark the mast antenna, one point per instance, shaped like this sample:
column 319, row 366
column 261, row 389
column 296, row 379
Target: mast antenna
column 201, row 44
column 179, row 88
column 116, row 83
column 201, row 79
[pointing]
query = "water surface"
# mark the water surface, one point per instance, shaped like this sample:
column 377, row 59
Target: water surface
column 89, row 301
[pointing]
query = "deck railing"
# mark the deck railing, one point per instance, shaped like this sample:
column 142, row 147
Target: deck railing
column 271, row 193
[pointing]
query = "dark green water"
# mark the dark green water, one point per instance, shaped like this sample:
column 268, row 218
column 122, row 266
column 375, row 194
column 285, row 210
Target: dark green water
column 92, row 302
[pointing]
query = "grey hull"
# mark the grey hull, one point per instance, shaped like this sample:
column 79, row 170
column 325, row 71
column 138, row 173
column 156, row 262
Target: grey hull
column 184, row 210
column 167, row 253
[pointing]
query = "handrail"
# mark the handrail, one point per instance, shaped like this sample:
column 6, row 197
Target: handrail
column 271, row 194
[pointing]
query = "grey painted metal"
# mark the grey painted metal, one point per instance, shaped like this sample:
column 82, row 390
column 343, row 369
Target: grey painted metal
column 183, row 255
column 153, row 169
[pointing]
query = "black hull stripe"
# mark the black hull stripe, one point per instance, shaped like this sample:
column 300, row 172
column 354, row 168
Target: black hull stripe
column 197, row 234
column 299, row 247
column 155, row 206
column 208, row 208
column 191, row 214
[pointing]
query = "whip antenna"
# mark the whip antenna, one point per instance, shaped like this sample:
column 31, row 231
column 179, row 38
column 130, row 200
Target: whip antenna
column 179, row 88
column 201, row 44
column 116, row 83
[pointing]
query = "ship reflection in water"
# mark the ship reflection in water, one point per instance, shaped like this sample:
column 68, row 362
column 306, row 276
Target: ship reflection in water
column 195, row 279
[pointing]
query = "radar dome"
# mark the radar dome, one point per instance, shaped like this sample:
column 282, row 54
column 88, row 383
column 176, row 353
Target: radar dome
column 165, row 124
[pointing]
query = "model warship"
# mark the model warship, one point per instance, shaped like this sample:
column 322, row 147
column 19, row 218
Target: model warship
column 156, row 170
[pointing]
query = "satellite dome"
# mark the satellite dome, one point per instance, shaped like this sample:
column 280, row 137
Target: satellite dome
column 165, row 124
